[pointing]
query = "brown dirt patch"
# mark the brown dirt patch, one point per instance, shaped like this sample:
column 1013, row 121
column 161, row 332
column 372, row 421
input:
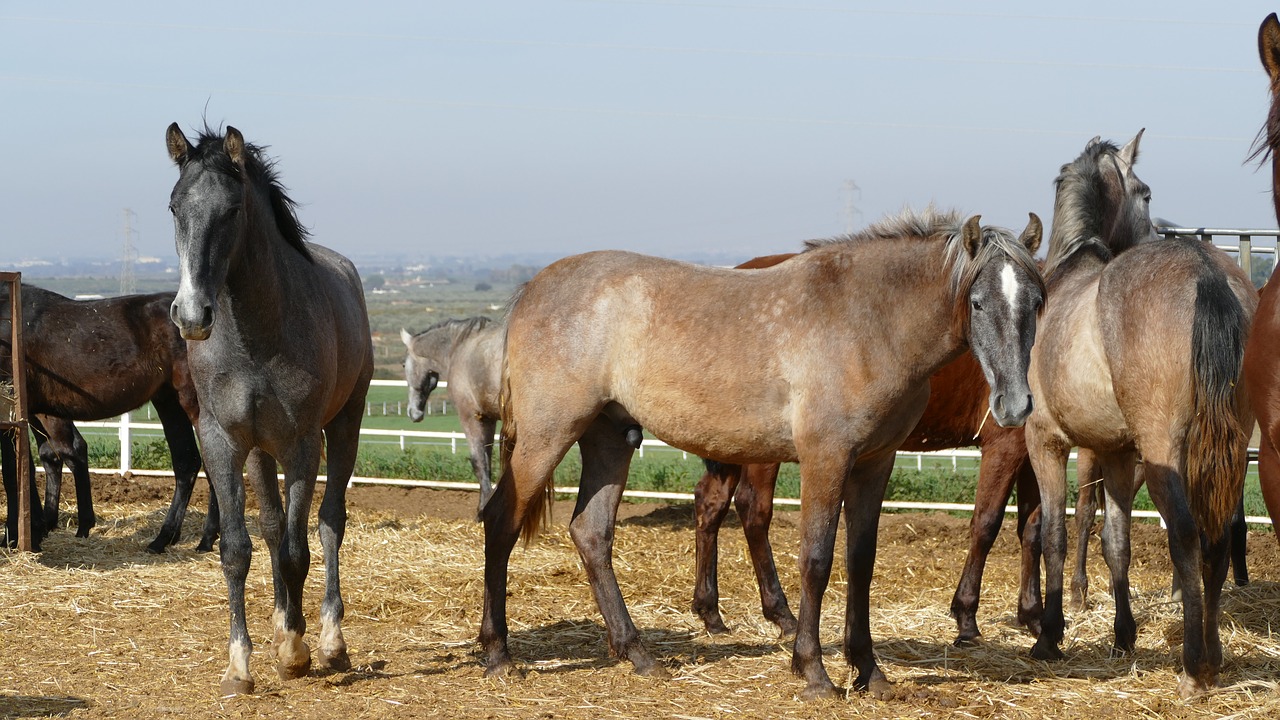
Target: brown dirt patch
column 97, row 628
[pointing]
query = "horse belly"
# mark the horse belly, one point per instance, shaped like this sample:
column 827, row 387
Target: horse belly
column 1072, row 378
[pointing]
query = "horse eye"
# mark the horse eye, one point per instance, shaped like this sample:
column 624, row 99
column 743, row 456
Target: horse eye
column 977, row 305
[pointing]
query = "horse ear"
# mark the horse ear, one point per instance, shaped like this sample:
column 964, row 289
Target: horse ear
column 406, row 338
column 1096, row 139
column 1129, row 153
column 1030, row 238
column 179, row 148
column 234, row 145
column 1269, row 46
column 971, row 234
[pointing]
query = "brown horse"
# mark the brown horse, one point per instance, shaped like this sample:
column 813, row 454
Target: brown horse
column 859, row 324
column 956, row 416
column 1140, row 352
column 96, row 359
column 1262, row 356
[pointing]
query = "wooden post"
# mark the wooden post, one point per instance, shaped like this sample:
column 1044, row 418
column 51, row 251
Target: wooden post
column 18, row 425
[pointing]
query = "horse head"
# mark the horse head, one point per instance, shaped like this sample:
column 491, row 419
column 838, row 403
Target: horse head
column 421, row 374
column 225, row 192
column 1003, row 294
column 205, row 204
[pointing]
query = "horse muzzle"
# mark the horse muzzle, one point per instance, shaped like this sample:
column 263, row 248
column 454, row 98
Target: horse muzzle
column 193, row 325
column 1011, row 409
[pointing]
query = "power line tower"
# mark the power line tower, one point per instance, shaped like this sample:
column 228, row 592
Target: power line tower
column 852, row 196
column 127, row 283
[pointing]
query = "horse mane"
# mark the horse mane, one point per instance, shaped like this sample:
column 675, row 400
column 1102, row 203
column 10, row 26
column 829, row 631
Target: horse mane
column 261, row 170
column 1079, row 193
column 932, row 224
column 461, row 327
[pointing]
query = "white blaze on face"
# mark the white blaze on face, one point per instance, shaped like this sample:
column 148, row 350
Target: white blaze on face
column 1009, row 284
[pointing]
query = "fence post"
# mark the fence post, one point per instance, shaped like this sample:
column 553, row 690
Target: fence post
column 1246, row 256
column 126, row 445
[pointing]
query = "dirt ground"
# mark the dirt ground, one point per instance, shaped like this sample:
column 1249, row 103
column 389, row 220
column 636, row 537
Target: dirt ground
column 97, row 628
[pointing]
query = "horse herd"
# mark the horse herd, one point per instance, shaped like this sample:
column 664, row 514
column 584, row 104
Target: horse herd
column 926, row 330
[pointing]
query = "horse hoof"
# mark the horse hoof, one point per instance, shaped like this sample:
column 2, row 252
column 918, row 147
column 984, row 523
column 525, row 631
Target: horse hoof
column 336, row 662
column 821, row 691
column 655, row 670
column 205, row 546
column 879, row 688
column 716, row 626
column 966, row 640
column 230, row 686
column 293, row 671
column 501, row 669
column 1046, row 651
column 1189, row 687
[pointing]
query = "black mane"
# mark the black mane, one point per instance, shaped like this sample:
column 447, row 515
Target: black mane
column 209, row 151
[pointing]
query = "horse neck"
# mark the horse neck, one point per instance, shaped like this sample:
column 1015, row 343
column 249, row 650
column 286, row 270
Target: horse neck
column 915, row 289
column 261, row 277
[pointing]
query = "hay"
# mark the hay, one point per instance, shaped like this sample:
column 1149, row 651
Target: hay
column 97, row 628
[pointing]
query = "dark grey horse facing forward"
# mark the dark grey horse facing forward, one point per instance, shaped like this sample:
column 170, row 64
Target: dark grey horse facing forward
column 281, row 356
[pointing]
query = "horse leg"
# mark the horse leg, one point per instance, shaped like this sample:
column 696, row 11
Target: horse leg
column 605, row 460
column 863, row 496
column 51, row 460
column 1089, row 488
column 1117, row 478
column 822, row 480
column 1030, row 609
column 754, row 503
column 1166, row 487
column 260, row 470
column 9, row 468
column 1000, row 461
column 184, row 454
column 1239, row 544
column 342, row 440
column 1269, row 474
column 1049, row 458
column 473, row 427
column 521, row 491
column 224, row 462
column 1215, row 560
column 488, row 428
column 293, row 556
column 711, row 499
column 77, row 456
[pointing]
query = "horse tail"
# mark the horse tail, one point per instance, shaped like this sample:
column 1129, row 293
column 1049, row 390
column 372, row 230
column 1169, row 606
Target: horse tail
column 539, row 511
column 1216, row 443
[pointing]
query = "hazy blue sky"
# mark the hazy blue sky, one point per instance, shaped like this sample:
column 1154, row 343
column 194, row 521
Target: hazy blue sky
column 664, row 127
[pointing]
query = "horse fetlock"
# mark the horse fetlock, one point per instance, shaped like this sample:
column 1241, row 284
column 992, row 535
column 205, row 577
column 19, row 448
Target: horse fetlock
column 1046, row 649
column 293, row 656
column 332, row 654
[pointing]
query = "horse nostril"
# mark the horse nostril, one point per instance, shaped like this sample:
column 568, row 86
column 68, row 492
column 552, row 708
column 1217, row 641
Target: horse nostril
column 206, row 316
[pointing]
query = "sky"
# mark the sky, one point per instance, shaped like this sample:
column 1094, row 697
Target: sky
column 741, row 127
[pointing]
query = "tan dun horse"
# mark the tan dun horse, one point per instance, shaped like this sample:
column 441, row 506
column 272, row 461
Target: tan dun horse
column 1262, row 356
column 1139, row 353
column 956, row 416
column 857, row 326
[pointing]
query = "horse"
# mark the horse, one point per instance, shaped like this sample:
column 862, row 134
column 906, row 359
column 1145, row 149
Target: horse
column 955, row 416
column 1262, row 355
column 1140, row 352
column 859, row 325
column 96, row 359
column 467, row 354
column 281, row 357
